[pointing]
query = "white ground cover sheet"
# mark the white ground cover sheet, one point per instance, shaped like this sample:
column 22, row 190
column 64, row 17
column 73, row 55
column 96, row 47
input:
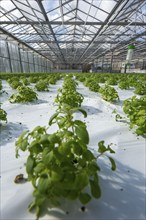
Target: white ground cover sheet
column 123, row 191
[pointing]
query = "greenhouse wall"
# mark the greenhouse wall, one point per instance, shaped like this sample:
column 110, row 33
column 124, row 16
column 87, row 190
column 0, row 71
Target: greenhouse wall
column 15, row 59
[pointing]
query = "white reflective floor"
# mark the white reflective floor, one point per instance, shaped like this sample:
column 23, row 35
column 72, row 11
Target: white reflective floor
column 123, row 191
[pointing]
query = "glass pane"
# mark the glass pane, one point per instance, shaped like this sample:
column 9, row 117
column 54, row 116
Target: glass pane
column 3, row 49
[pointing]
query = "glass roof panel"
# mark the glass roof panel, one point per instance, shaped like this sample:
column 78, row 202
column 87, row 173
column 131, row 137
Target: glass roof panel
column 87, row 25
column 53, row 15
column 8, row 5
column 101, row 15
column 16, row 13
column 50, row 4
column 29, row 16
column 24, row 6
column 84, row 6
column 107, row 5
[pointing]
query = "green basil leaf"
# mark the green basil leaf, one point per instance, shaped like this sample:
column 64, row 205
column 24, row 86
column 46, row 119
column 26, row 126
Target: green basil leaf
column 88, row 155
column 39, row 168
column 95, row 189
column 101, row 148
column 84, row 198
column 43, row 184
column 82, row 134
column 73, row 194
column 65, row 148
column 77, row 149
column 24, row 145
column 81, row 180
column 48, row 158
column 111, row 150
column 52, row 118
column 112, row 163
column 93, row 167
column 79, row 123
column 30, row 165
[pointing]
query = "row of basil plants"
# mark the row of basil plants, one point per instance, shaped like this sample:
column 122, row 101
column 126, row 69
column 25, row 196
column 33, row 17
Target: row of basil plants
column 24, row 93
column 134, row 107
column 3, row 113
column 60, row 165
column 123, row 81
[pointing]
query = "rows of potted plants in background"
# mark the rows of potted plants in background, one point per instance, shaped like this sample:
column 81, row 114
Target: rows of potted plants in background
column 137, row 82
column 59, row 164
column 3, row 113
column 123, row 81
column 135, row 110
column 24, row 93
column 134, row 107
column 27, row 94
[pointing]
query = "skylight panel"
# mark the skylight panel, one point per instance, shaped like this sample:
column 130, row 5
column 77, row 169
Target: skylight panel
column 101, row 15
column 107, row 5
column 7, row 5
column 31, row 17
column 84, row 6
column 39, row 15
column 24, row 6
column 82, row 15
column 4, row 18
column 53, row 15
column 34, row 5
column 93, row 11
column 16, row 13
column 50, row 4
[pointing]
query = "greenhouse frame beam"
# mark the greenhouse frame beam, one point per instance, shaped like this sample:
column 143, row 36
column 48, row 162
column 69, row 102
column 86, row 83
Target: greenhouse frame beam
column 23, row 43
column 75, row 17
column 37, row 32
column 96, row 7
column 77, row 42
column 56, row 8
column 129, row 41
column 50, row 27
column 102, row 26
column 61, row 10
column 134, row 3
column 77, row 32
column 115, row 23
column 67, row 34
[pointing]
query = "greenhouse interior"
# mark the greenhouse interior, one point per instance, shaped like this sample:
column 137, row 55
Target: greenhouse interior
column 73, row 109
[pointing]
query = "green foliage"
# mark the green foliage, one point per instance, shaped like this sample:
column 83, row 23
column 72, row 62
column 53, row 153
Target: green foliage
column 118, row 117
column 15, row 84
column 123, row 84
column 24, row 80
column 132, row 80
column 1, row 87
column 23, row 94
column 42, row 86
column 69, row 97
column 80, row 78
column 3, row 115
column 135, row 109
column 112, row 81
column 88, row 81
column 140, row 88
column 53, row 78
column 68, row 94
column 109, row 93
column 102, row 79
column 33, row 79
column 60, row 164
column 93, row 86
